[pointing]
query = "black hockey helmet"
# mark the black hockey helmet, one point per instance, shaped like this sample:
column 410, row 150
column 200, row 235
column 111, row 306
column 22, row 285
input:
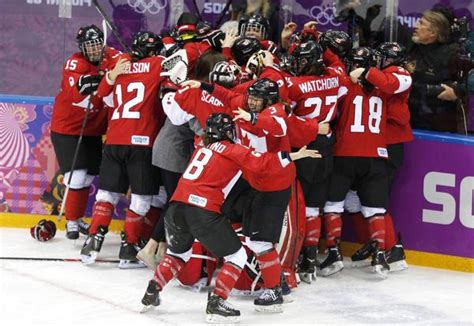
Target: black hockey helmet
column 264, row 89
column 307, row 55
column 256, row 26
column 146, row 44
column 219, row 126
column 338, row 42
column 363, row 57
column 243, row 48
column 45, row 230
column 224, row 74
column 90, row 40
column 186, row 26
column 390, row 53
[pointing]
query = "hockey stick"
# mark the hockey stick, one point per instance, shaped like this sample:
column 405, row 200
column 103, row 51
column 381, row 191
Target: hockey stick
column 111, row 25
column 197, row 10
column 67, row 260
column 81, row 134
column 223, row 13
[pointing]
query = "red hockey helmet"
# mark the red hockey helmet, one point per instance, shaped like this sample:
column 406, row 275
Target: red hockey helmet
column 44, row 230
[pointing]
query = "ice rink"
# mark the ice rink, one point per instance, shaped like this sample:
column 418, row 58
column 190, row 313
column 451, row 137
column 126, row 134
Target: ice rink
column 68, row 293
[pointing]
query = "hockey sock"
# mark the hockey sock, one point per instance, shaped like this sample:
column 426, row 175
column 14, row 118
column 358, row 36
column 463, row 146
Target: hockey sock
column 167, row 269
column 313, row 231
column 270, row 267
column 361, row 227
column 76, row 203
column 377, row 230
column 133, row 226
column 149, row 222
column 101, row 215
column 390, row 236
column 226, row 279
column 333, row 225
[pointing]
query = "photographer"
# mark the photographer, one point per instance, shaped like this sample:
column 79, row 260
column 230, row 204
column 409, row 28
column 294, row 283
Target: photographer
column 435, row 93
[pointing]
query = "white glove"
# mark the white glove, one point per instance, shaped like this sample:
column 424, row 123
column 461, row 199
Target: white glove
column 355, row 74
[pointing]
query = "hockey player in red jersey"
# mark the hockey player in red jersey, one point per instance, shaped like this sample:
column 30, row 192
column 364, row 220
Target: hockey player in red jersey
column 391, row 78
column 195, row 212
column 81, row 76
column 134, row 123
column 315, row 92
column 360, row 163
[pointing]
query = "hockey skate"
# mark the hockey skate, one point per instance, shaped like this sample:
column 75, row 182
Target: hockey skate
column 72, row 230
column 270, row 300
column 396, row 258
column 83, row 226
column 379, row 264
column 220, row 311
column 128, row 254
column 92, row 246
column 360, row 257
column 151, row 298
column 333, row 262
column 308, row 264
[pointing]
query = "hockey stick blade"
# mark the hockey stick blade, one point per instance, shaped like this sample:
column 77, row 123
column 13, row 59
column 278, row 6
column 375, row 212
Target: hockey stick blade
column 67, row 260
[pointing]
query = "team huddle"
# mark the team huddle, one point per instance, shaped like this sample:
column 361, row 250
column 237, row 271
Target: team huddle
column 277, row 142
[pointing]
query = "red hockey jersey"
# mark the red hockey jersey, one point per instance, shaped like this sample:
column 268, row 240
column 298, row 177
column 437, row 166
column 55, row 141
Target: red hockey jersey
column 69, row 105
column 361, row 126
column 137, row 112
column 214, row 169
column 395, row 81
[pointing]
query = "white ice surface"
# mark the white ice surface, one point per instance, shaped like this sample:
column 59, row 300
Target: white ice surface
column 68, row 293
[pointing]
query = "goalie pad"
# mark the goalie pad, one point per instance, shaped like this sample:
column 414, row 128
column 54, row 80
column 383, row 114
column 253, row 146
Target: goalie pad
column 175, row 67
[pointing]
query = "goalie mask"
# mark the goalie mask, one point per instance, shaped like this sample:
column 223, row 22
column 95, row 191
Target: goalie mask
column 243, row 48
column 338, row 42
column 90, row 40
column 43, row 231
column 255, row 26
column 225, row 74
column 308, row 59
column 146, row 44
column 390, row 53
column 219, row 126
column 262, row 93
column 255, row 64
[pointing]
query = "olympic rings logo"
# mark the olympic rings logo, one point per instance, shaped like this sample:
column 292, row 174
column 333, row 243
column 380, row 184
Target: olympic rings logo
column 324, row 15
column 151, row 6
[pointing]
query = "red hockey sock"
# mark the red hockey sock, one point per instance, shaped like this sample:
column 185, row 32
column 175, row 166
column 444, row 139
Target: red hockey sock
column 333, row 225
column 390, row 236
column 101, row 215
column 377, row 230
column 76, row 203
column 149, row 222
column 133, row 226
column 313, row 231
column 226, row 279
column 270, row 267
column 361, row 227
column 167, row 269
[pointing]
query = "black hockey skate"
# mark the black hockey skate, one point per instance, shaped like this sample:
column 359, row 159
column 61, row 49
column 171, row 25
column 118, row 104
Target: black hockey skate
column 92, row 246
column 220, row 311
column 379, row 264
column 359, row 258
column 128, row 254
column 83, row 226
column 285, row 289
column 72, row 230
column 270, row 300
column 396, row 257
column 308, row 264
column 333, row 262
column 152, row 296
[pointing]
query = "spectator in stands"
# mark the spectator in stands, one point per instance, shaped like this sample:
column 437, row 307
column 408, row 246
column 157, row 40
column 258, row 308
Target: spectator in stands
column 435, row 93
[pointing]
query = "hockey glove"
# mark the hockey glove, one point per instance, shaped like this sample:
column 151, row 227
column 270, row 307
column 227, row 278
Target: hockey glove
column 88, row 84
